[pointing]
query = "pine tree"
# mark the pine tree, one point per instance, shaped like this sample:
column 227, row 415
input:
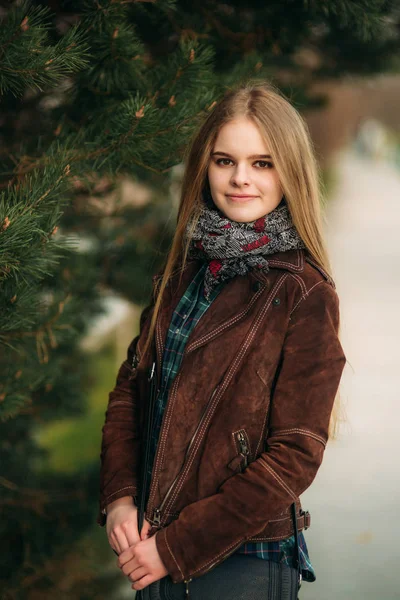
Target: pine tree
column 95, row 94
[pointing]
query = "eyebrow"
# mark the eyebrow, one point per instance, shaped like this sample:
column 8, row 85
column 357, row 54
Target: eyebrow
column 252, row 156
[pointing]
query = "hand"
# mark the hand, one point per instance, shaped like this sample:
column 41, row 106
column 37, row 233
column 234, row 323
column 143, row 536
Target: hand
column 122, row 529
column 142, row 563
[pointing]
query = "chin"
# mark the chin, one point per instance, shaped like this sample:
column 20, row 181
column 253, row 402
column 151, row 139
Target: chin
column 242, row 214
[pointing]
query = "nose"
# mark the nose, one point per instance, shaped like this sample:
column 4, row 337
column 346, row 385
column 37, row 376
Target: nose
column 240, row 176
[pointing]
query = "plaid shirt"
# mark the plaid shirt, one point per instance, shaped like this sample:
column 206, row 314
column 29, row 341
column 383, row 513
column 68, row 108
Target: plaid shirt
column 189, row 310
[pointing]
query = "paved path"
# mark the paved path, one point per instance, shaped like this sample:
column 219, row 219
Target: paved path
column 355, row 497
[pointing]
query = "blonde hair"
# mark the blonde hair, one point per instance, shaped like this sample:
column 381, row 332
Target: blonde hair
column 291, row 147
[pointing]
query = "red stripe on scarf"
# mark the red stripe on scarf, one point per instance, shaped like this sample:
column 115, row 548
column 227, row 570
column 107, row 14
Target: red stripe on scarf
column 256, row 244
column 214, row 266
column 259, row 225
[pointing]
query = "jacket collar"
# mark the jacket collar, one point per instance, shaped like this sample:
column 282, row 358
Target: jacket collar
column 230, row 306
column 289, row 260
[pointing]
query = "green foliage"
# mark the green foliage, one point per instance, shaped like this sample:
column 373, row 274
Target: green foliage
column 28, row 58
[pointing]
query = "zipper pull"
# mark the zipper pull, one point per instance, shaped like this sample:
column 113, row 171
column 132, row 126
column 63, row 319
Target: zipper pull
column 152, row 371
column 187, row 592
column 244, row 448
column 243, row 444
column 156, row 517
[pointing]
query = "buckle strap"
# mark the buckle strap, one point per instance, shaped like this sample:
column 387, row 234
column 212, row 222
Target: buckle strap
column 304, row 519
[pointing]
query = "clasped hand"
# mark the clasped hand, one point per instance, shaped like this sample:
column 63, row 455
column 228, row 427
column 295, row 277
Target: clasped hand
column 138, row 557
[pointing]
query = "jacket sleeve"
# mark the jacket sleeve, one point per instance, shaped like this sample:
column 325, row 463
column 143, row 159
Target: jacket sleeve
column 312, row 360
column 120, row 443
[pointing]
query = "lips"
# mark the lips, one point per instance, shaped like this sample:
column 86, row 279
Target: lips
column 240, row 197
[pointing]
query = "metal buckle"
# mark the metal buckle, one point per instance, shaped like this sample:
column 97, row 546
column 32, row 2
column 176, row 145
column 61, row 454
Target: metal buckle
column 307, row 518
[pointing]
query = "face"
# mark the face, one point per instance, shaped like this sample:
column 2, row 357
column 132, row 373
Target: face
column 243, row 181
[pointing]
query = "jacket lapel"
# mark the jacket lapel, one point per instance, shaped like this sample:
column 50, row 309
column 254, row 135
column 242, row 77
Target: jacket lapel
column 231, row 305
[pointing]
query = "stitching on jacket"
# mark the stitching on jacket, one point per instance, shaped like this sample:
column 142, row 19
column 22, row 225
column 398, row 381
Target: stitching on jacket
column 274, row 537
column 298, row 267
column 170, row 551
column 189, row 463
column 217, row 396
column 223, row 387
column 157, row 466
column 158, row 334
column 128, row 487
column 218, row 556
column 218, row 330
column 277, row 477
column 301, row 282
column 315, row 285
column 114, row 402
column 295, row 306
column 289, row 518
column 306, row 296
column 260, row 374
column 319, row 268
column 303, row 432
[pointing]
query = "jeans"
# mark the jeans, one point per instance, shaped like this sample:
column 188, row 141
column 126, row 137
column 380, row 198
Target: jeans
column 238, row 577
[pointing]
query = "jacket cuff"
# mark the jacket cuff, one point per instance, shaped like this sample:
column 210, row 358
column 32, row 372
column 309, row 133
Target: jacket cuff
column 126, row 491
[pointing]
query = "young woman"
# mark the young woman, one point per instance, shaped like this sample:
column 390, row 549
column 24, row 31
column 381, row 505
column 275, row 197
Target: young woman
column 239, row 351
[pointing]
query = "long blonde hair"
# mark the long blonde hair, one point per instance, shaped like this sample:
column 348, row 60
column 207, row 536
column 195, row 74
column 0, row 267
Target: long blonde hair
column 291, row 147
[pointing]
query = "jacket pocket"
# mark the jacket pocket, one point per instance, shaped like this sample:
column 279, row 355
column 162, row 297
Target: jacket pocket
column 243, row 451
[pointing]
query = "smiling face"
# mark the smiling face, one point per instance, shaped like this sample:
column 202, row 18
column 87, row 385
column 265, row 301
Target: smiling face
column 243, row 181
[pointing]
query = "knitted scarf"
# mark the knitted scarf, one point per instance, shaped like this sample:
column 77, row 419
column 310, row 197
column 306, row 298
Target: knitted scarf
column 232, row 248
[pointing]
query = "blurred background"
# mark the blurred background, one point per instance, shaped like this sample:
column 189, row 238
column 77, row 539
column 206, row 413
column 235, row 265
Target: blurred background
column 98, row 101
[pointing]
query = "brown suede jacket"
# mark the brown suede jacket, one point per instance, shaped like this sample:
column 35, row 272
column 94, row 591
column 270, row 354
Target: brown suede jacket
column 246, row 423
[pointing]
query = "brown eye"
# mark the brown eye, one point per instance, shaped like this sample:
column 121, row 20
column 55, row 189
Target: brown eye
column 264, row 164
column 219, row 161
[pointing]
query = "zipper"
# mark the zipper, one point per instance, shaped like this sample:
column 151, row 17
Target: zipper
column 242, row 457
column 244, row 447
column 153, row 397
column 157, row 517
column 155, row 470
column 187, row 591
column 159, row 352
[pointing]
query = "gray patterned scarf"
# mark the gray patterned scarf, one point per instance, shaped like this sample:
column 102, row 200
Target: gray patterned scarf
column 232, row 248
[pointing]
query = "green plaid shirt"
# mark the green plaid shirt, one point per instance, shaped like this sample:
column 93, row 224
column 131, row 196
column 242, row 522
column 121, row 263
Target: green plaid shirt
column 189, row 310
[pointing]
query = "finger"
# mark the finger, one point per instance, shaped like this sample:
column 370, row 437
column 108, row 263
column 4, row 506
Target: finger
column 126, row 556
column 114, row 542
column 121, row 538
column 132, row 533
column 130, row 566
column 137, row 574
column 143, row 582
